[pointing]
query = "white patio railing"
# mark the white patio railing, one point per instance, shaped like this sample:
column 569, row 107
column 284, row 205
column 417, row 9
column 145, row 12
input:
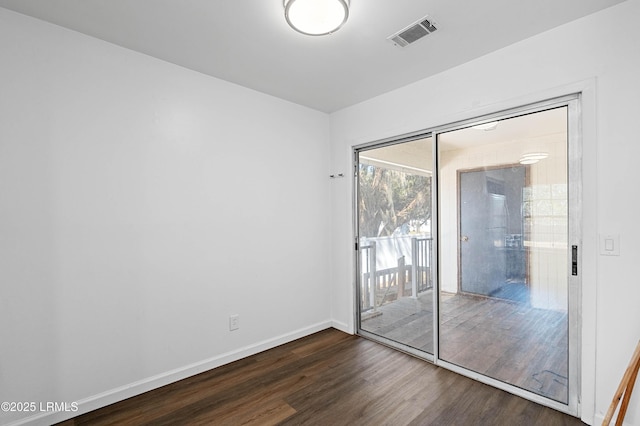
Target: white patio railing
column 394, row 267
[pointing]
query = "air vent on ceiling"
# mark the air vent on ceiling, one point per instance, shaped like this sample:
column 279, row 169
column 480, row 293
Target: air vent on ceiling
column 413, row 32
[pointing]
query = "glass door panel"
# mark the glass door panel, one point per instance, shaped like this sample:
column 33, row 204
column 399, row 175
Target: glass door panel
column 395, row 283
column 504, row 252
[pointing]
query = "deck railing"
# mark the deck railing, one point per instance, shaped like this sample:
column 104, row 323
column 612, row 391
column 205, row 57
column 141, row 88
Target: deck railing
column 421, row 263
column 384, row 285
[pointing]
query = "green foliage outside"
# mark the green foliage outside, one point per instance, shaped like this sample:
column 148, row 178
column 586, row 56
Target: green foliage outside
column 391, row 201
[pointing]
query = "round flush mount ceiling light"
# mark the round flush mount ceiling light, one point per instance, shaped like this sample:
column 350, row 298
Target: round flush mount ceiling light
column 533, row 157
column 486, row 126
column 316, row 17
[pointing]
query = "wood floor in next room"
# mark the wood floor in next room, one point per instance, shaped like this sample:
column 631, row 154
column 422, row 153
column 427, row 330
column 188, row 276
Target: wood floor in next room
column 328, row 378
column 509, row 341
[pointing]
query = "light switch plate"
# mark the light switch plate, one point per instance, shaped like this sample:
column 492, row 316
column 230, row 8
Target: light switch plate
column 234, row 322
column 610, row 244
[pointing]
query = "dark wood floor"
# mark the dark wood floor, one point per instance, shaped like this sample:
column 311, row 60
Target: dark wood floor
column 509, row 341
column 328, row 378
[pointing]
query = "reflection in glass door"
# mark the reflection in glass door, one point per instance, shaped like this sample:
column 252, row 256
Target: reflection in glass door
column 465, row 258
column 490, row 205
column 395, row 249
column 504, row 271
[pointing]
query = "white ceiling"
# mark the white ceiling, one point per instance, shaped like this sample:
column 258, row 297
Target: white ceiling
column 247, row 42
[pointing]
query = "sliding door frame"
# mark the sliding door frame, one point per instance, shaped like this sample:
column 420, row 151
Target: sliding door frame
column 356, row 240
column 574, row 156
column 575, row 176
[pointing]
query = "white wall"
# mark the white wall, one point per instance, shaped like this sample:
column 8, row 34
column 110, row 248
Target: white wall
column 140, row 205
column 597, row 55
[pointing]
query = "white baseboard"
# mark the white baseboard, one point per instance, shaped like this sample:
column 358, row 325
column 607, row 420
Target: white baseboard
column 344, row 327
column 136, row 388
column 599, row 418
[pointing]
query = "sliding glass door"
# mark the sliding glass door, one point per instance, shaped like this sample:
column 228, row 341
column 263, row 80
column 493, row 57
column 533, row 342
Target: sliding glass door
column 504, row 281
column 467, row 243
column 395, row 257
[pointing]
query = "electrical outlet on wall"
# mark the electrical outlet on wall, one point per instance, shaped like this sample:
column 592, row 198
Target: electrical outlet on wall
column 234, row 322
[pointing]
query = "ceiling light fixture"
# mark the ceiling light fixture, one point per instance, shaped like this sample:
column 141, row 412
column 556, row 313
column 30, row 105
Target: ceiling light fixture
column 316, row 17
column 533, row 157
column 486, row 126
